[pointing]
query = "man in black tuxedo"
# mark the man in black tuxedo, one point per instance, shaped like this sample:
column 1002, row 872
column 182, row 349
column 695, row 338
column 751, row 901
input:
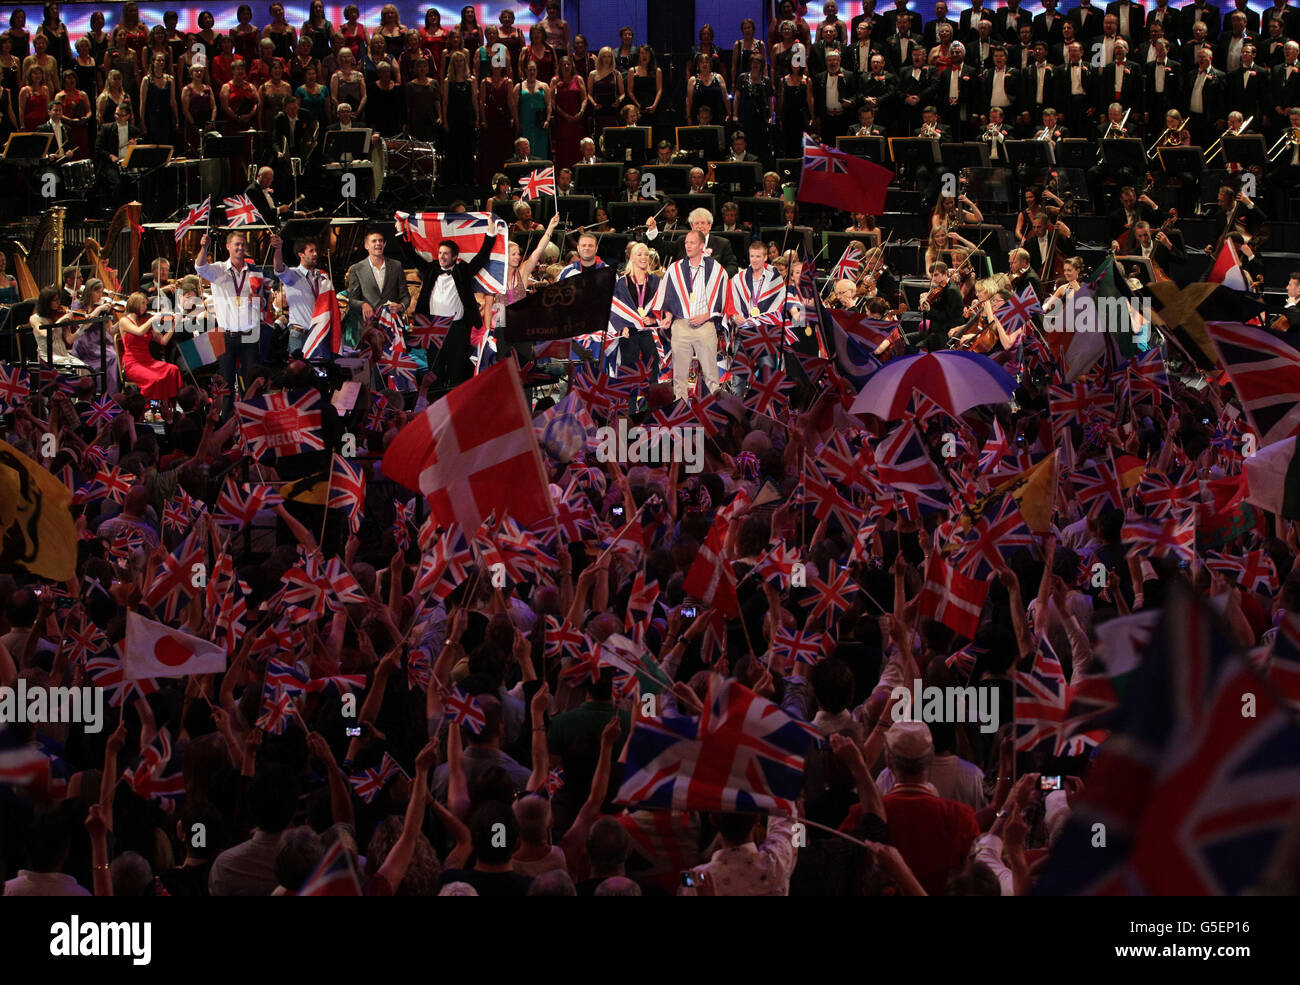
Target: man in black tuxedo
column 1247, row 87
column 891, row 20
column 1168, row 18
column 916, row 84
column 261, row 192
column 1204, row 99
column 1163, row 86
column 1008, row 21
column 868, row 14
column 942, row 308
column 835, row 95
column 1156, row 246
column 1280, row 11
column 898, row 49
column 1022, row 274
column 1200, row 11
column 1131, row 16
column 1087, row 22
column 1076, row 89
column 111, row 143
column 1286, row 82
column 1048, row 25
column 452, row 297
column 1038, row 88
column 523, row 152
column 931, row 32
column 62, row 147
column 970, row 18
column 1047, row 242
column 1227, row 53
column 1243, row 8
column 958, row 92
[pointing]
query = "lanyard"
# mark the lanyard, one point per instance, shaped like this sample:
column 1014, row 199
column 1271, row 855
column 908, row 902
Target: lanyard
column 239, row 284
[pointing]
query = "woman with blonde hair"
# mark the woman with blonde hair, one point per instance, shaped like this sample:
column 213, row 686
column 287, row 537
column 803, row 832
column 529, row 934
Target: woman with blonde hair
column 604, row 91
column 460, row 107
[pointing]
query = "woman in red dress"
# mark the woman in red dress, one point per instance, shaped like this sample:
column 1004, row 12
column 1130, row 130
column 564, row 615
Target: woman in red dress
column 34, row 100
column 157, row 380
column 567, row 124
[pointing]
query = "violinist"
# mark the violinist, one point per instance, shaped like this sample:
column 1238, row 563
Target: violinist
column 983, row 330
column 1022, row 272
column 943, row 245
column 942, row 308
column 87, row 346
column 54, row 329
column 864, row 226
column 845, row 295
column 161, row 270
column 884, row 283
column 1048, row 243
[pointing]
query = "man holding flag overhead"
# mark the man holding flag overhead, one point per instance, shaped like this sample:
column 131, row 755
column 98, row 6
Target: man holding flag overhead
column 304, row 288
column 237, row 297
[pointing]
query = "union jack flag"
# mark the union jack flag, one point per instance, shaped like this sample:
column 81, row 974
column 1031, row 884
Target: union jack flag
column 1146, row 374
column 419, row 669
column 1040, row 701
column 173, row 585
column 276, row 712
column 83, row 641
column 767, row 396
column 563, row 639
column 1195, row 797
column 777, row 564
column 799, row 646
column 236, row 510
column 903, row 461
column 240, row 211
column 818, row 157
column 1163, row 494
column 742, row 754
column 398, row 367
column 429, row 331
column 285, row 677
column 832, row 596
column 1097, row 484
column 463, row 709
column 1019, row 310
column 101, row 412
column 585, row 667
column 538, row 183
column 195, row 216
column 112, row 483
column 641, row 605
column 1263, row 369
column 963, row 662
column 334, row 875
column 278, row 424
column 147, row 779
column 1254, row 571
column 467, row 230
column 849, row 265
column 991, row 537
column 1172, row 535
column 347, row 489
column 370, row 782
column 105, row 670
column 554, row 783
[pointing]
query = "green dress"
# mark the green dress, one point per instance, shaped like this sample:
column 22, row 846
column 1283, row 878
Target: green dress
column 532, row 113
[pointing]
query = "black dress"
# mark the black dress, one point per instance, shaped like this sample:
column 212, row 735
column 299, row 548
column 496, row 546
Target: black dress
column 755, row 114
column 644, row 88
column 386, row 110
column 794, row 118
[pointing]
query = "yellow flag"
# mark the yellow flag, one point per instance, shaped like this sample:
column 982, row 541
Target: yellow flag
column 1034, row 491
column 38, row 530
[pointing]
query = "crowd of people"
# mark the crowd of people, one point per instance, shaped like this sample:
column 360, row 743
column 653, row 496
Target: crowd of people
column 411, row 707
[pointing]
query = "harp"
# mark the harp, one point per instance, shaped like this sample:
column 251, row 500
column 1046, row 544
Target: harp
column 117, row 261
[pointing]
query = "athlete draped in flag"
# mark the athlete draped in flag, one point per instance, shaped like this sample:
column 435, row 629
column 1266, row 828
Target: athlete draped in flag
column 305, row 286
column 633, row 319
column 693, row 298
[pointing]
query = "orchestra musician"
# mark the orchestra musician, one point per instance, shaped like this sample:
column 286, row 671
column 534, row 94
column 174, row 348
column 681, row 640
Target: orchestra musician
column 1291, row 308
column 111, row 144
column 1048, row 243
column 942, row 307
column 262, row 194
column 1235, row 212
column 1022, row 271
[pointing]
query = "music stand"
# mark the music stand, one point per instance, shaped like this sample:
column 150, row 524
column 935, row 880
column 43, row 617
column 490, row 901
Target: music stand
column 575, row 210
column 760, row 212
column 969, row 154
column 704, row 142
column 790, row 238
column 1031, row 153
column 916, row 151
column 670, row 179
column 603, row 179
column 612, row 248
column 1127, row 152
column 874, row 149
column 738, row 174
column 147, row 157
column 627, row 215
column 989, row 185
column 1182, row 160
column 344, row 146
column 1245, row 150
column 1076, row 152
column 27, row 146
column 631, row 145
column 685, row 203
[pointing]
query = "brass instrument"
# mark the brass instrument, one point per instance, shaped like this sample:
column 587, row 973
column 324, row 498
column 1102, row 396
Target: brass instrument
column 929, row 130
column 1290, row 138
column 1168, row 137
column 1217, row 147
column 1120, row 126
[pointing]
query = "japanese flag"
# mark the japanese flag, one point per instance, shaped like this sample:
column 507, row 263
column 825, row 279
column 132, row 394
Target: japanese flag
column 155, row 650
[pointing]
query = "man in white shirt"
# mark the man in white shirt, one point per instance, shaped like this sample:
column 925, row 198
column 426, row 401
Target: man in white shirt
column 376, row 280
column 302, row 284
column 742, row 868
column 237, row 298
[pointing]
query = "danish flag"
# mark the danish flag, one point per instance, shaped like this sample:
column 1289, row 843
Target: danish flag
column 711, row 579
column 951, row 597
